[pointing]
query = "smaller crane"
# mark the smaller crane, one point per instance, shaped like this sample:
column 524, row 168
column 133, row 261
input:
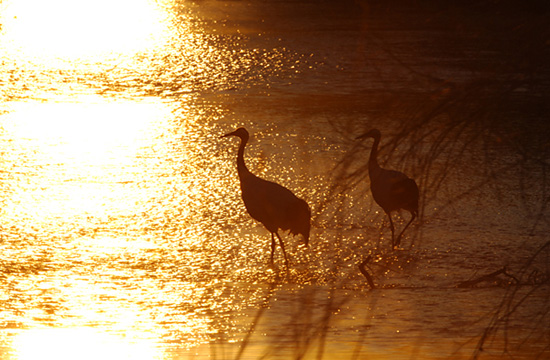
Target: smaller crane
column 273, row 205
column 392, row 190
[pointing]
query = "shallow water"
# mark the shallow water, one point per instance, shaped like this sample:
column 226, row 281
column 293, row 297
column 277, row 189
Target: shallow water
column 123, row 234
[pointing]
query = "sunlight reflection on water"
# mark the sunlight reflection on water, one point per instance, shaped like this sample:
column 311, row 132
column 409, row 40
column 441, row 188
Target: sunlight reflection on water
column 89, row 183
column 122, row 231
column 64, row 30
column 82, row 343
column 77, row 158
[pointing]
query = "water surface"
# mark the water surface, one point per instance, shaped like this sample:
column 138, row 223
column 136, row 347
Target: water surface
column 122, row 230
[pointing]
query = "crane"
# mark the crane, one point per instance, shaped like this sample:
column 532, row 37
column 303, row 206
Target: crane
column 391, row 189
column 273, row 205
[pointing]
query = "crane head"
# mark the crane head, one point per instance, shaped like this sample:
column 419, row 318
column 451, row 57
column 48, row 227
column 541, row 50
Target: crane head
column 240, row 132
column 373, row 133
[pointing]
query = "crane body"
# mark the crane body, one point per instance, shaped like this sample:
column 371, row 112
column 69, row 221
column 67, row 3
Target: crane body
column 273, row 205
column 391, row 189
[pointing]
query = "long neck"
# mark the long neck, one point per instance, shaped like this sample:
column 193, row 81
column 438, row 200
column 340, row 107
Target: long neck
column 374, row 168
column 241, row 167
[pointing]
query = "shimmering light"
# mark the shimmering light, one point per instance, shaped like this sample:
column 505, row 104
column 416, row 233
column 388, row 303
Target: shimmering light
column 76, row 29
column 79, row 153
column 123, row 234
column 80, row 343
column 114, row 233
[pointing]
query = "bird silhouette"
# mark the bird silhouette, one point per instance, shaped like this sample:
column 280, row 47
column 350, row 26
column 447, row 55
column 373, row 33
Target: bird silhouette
column 273, row 205
column 392, row 190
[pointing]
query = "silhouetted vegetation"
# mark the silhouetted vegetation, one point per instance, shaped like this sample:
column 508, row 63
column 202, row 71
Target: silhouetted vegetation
column 486, row 117
column 489, row 114
column 529, row 292
column 490, row 122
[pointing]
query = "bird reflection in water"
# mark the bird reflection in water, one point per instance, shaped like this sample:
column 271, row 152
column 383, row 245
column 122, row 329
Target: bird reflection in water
column 273, row 205
column 391, row 189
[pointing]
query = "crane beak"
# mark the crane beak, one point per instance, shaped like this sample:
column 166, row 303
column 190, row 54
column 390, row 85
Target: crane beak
column 228, row 134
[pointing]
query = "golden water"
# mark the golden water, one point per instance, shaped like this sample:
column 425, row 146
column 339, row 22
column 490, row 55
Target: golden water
column 122, row 231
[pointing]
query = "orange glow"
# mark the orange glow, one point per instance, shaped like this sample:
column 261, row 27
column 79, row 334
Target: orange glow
column 70, row 30
column 81, row 153
column 80, row 343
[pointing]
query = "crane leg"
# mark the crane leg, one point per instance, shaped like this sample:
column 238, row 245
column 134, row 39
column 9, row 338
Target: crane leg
column 283, row 247
column 272, row 247
column 392, row 232
column 398, row 241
